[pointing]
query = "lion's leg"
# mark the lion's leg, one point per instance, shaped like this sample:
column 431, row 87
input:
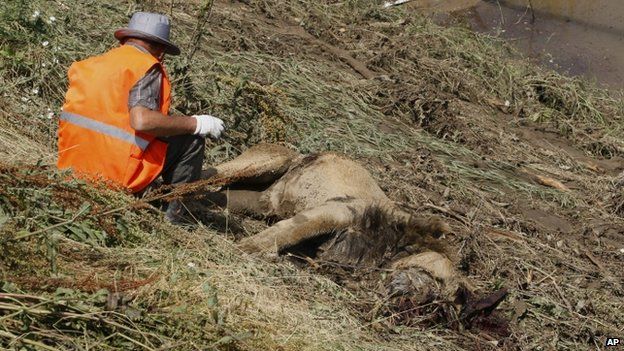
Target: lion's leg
column 260, row 164
column 304, row 226
column 239, row 201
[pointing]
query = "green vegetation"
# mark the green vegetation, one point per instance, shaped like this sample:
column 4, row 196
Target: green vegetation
column 83, row 267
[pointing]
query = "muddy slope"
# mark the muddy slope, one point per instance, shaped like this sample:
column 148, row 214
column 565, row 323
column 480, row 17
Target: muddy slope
column 534, row 207
column 525, row 164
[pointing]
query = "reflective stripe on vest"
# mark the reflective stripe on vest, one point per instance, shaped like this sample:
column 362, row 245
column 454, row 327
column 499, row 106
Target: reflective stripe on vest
column 104, row 128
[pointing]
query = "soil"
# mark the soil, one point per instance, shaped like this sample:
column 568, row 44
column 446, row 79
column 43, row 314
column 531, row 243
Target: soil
column 552, row 222
column 530, row 208
column 542, row 138
column 581, row 37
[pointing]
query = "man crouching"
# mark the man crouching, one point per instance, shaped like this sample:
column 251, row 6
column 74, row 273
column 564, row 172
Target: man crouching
column 115, row 124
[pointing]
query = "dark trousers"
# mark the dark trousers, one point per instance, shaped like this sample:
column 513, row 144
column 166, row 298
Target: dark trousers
column 185, row 155
column 183, row 164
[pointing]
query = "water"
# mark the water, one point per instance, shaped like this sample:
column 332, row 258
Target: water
column 577, row 37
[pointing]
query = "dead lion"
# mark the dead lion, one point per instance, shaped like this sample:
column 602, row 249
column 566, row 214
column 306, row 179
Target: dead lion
column 331, row 208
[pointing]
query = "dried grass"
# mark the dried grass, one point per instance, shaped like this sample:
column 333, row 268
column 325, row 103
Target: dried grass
column 437, row 128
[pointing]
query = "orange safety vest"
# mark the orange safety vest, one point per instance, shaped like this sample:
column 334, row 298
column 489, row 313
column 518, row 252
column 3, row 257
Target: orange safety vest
column 95, row 139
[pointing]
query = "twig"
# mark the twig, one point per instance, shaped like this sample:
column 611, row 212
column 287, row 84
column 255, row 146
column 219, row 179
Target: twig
column 316, row 264
column 394, row 3
column 595, row 261
column 135, row 342
column 342, row 54
column 198, row 32
column 22, row 296
column 11, row 315
column 40, row 231
column 175, row 192
column 603, row 270
column 447, row 212
column 172, row 346
column 567, row 303
column 500, row 9
column 27, row 341
column 93, row 316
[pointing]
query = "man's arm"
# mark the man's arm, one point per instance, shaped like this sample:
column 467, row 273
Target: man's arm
column 145, row 116
column 143, row 119
column 152, row 122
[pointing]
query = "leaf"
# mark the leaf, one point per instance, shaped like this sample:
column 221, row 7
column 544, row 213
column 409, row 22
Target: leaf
column 208, row 288
column 100, row 296
column 519, row 310
column 99, row 235
column 22, row 233
column 133, row 313
column 213, row 301
column 243, row 336
column 7, row 53
column 8, row 287
column 78, row 233
column 122, row 227
column 183, row 308
column 229, row 339
column 174, row 277
column 84, row 208
column 224, row 341
column 63, row 293
column 3, row 218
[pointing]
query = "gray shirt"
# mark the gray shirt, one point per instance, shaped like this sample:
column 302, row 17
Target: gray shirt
column 146, row 92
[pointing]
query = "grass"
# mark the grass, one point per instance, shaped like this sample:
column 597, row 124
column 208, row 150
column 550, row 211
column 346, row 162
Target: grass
column 169, row 287
column 84, row 269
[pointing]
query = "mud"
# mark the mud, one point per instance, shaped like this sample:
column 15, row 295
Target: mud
column 548, row 221
column 512, row 231
column 578, row 37
column 542, row 138
column 557, row 251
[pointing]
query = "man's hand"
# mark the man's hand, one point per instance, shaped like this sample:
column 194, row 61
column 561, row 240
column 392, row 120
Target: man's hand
column 208, row 125
column 153, row 122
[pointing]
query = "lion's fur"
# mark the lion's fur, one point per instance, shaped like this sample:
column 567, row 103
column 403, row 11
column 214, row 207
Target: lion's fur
column 376, row 237
column 318, row 179
column 331, row 196
column 262, row 163
column 305, row 225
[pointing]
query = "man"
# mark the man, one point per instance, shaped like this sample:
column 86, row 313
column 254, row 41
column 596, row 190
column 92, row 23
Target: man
column 115, row 123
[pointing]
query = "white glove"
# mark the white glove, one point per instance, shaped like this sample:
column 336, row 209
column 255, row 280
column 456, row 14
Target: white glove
column 208, row 125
